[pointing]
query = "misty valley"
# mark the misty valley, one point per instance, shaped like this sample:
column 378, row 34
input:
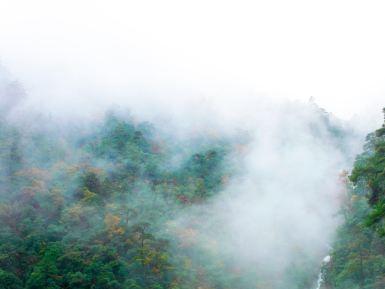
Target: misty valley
column 121, row 203
column 202, row 144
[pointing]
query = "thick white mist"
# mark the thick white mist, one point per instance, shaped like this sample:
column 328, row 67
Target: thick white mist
column 216, row 67
column 75, row 55
column 283, row 205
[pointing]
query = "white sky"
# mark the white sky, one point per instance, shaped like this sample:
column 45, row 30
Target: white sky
column 67, row 52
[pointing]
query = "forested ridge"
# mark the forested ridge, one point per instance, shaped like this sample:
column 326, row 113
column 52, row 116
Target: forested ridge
column 95, row 209
column 358, row 253
column 98, row 208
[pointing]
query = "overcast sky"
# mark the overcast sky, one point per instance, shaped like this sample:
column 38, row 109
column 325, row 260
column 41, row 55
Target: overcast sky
column 68, row 52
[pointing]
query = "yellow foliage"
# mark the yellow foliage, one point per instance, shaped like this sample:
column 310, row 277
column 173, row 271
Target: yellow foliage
column 57, row 197
column 111, row 220
column 354, row 198
column 112, row 224
column 34, row 174
column 147, row 260
column 71, row 170
column 111, row 206
column 88, row 196
column 75, row 212
column 97, row 171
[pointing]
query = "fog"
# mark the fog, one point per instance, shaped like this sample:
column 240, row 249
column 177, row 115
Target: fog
column 280, row 207
column 217, row 69
column 72, row 56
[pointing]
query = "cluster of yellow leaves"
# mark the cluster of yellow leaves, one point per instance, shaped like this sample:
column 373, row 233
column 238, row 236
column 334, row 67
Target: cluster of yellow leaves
column 112, row 224
column 88, row 196
column 57, row 197
column 34, row 173
column 37, row 179
column 75, row 212
column 354, row 198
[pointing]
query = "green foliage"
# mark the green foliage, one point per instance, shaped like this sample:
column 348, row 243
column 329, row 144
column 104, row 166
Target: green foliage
column 91, row 210
column 96, row 209
column 358, row 256
column 369, row 171
column 9, row 281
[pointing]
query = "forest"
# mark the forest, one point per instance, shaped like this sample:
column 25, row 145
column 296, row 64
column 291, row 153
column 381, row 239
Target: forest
column 202, row 144
column 95, row 210
column 98, row 208
column 358, row 253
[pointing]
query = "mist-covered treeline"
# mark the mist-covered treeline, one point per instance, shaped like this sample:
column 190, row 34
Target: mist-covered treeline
column 115, row 202
column 101, row 207
column 358, row 254
column 94, row 210
column 182, row 144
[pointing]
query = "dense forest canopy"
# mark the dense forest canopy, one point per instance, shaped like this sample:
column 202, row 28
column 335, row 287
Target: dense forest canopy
column 202, row 144
column 358, row 254
column 87, row 211
column 120, row 203
column 100, row 208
